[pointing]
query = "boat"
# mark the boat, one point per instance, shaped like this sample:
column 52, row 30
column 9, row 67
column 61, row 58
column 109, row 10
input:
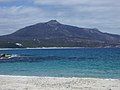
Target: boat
column 5, row 56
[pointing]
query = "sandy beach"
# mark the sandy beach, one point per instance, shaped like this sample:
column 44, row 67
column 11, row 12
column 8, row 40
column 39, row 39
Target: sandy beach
column 55, row 83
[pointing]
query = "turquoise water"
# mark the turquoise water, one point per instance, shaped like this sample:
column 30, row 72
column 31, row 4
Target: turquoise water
column 84, row 62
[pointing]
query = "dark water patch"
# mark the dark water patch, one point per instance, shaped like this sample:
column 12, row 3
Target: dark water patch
column 47, row 58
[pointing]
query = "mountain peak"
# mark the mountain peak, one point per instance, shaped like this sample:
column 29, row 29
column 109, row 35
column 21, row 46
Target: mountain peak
column 55, row 34
column 53, row 22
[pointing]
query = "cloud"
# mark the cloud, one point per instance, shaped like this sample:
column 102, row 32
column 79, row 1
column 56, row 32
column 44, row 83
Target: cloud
column 16, row 17
column 76, row 2
column 101, row 14
column 18, row 10
column 58, row 2
column 7, row 0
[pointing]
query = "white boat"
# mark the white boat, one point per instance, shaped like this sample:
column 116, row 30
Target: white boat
column 6, row 56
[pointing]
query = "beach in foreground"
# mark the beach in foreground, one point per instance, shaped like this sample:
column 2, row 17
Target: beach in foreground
column 55, row 83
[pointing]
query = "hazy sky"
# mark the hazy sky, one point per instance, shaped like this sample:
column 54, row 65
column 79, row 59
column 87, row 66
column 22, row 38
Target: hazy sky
column 101, row 14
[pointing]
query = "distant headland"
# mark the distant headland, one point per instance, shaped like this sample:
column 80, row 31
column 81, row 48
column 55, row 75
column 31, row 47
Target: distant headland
column 56, row 34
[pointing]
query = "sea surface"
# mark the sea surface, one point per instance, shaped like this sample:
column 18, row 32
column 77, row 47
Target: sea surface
column 72, row 62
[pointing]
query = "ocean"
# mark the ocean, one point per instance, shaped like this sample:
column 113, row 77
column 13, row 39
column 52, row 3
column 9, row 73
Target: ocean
column 71, row 62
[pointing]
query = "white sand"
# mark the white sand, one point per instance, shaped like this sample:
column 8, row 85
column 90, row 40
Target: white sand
column 54, row 83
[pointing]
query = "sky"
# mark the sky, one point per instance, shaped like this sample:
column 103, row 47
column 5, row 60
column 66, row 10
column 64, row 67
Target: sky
column 101, row 14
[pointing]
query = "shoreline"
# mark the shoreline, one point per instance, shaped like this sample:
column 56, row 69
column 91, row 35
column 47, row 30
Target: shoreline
column 43, row 48
column 57, row 48
column 31, row 76
column 9, row 82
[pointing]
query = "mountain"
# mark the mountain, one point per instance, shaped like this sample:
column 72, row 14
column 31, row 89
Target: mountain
column 55, row 34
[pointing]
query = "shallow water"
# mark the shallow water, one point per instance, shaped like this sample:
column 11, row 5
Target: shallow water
column 79, row 62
